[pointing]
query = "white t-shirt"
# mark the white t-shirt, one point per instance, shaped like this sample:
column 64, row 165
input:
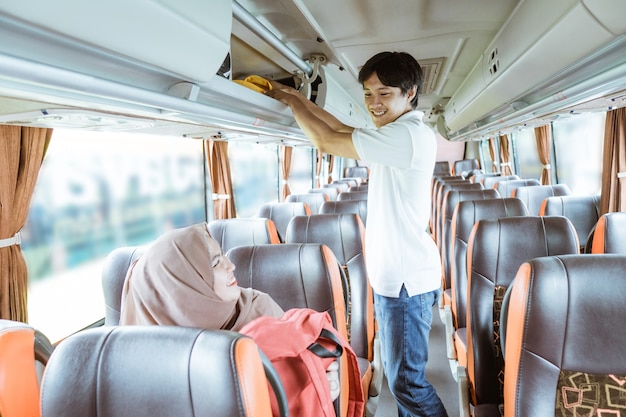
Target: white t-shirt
column 398, row 248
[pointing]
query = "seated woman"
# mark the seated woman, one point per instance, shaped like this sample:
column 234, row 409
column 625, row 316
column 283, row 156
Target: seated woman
column 184, row 279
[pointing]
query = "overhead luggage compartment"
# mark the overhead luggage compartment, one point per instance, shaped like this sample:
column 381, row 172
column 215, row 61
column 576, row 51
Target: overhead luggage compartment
column 533, row 58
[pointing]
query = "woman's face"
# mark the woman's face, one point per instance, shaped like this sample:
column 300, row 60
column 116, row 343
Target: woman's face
column 224, row 281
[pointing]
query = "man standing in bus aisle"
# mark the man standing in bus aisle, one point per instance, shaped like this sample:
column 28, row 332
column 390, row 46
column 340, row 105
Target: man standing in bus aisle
column 402, row 259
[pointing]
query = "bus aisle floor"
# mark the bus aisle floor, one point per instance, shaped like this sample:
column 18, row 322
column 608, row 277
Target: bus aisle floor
column 437, row 373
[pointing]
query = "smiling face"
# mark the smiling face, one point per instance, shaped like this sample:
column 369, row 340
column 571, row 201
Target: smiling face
column 384, row 103
column 224, row 281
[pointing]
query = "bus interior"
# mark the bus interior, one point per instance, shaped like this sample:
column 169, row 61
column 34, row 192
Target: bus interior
column 122, row 120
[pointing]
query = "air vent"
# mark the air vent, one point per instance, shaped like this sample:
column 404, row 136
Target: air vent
column 431, row 69
column 494, row 62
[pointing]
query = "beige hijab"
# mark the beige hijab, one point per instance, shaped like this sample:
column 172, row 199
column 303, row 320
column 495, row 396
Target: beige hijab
column 172, row 284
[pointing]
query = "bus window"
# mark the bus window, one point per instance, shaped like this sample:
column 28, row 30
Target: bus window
column 95, row 192
column 527, row 160
column 254, row 171
column 578, row 144
column 302, row 176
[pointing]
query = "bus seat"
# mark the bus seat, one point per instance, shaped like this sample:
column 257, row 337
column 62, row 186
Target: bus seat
column 344, row 234
column 352, row 195
column 533, row 195
column 446, row 209
column 281, row 214
column 298, row 275
column 245, row 231
column 314, row 200
column 343, row 186
column 610, row 234
column 451, row 199
column 346, row 206
column 465, row 165
column 564, row 339
column 479, row 176
column 465, row 216
column 497, row 248
column 582, row 211
column 506, row 187
column 362, row 187
column 357, row 172
column 23, row 354
column 350, row 181
column 156, row 371
column 331, row 192
column 490, row 181
column 434, row 187
column 442, row 168
column 114, row 271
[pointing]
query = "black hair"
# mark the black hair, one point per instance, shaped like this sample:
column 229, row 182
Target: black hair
column 394, row 69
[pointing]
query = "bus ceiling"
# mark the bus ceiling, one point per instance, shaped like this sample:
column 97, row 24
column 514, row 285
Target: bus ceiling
column 166, row 66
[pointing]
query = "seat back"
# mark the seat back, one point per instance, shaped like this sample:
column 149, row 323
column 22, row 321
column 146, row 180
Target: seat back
column 360, row 171
column 352, row 195
column 582, row 211
column 533, row 195
column 452, row 197
column 496, row 250
column 281, row 214
column 155, row 371
column 313, row 200
column 564, row 342
column 298, row 275
column 344, row 234
column 490, row 181
column 114, row 271
column 331, row 192
column 362, row 187
column 506, row 187
column 346, row 206
column 464, row 166
column 479, row 176
column 246, row 231
column 342, row 186
column 442, row 168
column 22, row 348
column 441, row 194
column 610, row 234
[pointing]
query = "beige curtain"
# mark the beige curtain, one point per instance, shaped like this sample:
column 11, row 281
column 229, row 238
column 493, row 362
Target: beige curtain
column 492, row 153
column 319, row 161
column 285, row 168
column 613, row 196
column 543, row 136
column 221, row 183
column 22, row 150
column 331, row 166
column 505, row 156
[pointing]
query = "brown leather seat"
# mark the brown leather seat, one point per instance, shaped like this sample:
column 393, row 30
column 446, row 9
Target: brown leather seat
column 362, row 187
column 346, row 206
column 298, row 275
column 463, row 166
column 344, row 234
column 22, row 348
column 442, row 168
column 490, row 181
column 281, row 214
column 533, row 195
column 331, row 192
column 582, row 211
column 610, row 234
column 496, row 250
column 156, row 371
column 246, row 231
column 466, row 215
column 313, row 200
column 565, row 337
column 352, row 195
column 506, row 187
column 114, row 271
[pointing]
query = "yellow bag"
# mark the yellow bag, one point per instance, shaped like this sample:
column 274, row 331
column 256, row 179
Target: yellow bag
column 256, row 83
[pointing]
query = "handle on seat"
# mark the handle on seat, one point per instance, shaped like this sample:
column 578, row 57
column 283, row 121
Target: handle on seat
column 277, row 385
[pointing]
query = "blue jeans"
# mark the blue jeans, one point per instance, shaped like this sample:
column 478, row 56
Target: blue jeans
column 403, row 328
